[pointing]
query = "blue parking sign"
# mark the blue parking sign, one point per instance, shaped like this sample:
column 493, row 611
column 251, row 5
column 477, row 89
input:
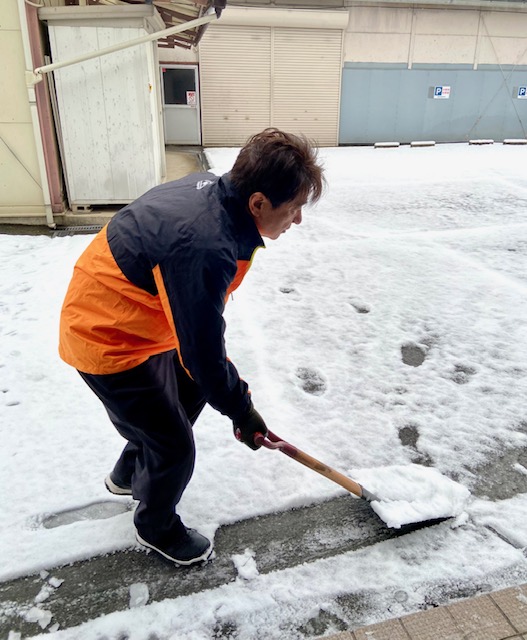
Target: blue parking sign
column 441, row 93
column 522, row 93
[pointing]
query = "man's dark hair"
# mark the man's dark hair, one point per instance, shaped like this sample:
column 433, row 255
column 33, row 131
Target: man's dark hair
column 280, row 165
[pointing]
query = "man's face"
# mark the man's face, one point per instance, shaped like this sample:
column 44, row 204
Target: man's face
column 273, row 221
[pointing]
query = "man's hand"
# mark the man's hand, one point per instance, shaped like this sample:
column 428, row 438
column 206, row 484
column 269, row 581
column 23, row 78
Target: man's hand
column 247, row 426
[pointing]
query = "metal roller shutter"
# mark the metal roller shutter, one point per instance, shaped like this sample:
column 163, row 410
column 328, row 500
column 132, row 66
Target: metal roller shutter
column 306, row 82
column 256, row 77
column 235, row 83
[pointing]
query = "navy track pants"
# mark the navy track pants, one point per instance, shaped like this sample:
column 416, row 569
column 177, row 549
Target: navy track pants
column 153, row 406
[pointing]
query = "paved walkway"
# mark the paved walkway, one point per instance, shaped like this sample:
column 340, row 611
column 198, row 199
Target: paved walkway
column 501, row 615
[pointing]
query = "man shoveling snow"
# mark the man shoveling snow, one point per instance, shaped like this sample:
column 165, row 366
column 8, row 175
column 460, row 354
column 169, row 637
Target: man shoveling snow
column 143, row 323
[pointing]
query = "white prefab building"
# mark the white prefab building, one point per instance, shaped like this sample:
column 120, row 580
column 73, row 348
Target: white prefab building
column 108, row 108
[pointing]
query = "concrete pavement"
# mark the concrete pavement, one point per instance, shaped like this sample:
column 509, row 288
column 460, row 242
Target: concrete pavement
column 501, row 615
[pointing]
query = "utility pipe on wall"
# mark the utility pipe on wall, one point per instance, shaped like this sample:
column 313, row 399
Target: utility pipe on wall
column 35, row 76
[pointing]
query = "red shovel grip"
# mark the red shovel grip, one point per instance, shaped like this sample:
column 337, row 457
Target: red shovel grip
column 271, row 441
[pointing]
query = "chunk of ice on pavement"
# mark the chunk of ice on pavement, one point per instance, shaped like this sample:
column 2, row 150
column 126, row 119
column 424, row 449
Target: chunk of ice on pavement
column 41, row 616
column 139, row 595
column 43, row 594
column 56, row 582
column 412, row 493
column 246, row 565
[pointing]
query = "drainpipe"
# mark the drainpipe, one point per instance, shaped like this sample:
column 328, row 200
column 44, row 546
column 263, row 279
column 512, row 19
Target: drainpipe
column 35, row 76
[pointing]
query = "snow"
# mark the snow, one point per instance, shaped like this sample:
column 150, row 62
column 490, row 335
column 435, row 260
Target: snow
column 412, row 493
column 139, row 594
column 509, row 521
column 413, row 254
column 246, row 565
column 41, row 616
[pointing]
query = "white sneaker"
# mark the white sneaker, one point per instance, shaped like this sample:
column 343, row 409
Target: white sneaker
column 117, row 489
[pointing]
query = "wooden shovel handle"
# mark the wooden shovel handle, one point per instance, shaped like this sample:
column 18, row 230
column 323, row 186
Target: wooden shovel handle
column 274, row 442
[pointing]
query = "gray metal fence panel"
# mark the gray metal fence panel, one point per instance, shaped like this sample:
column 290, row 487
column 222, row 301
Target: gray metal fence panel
column 381, row 103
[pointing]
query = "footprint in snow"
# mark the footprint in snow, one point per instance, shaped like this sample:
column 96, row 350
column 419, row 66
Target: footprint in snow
column 413, row 353
column 360, row 307
column 290, row 292
column 94, row 511
column 311, row 381
column 462, row 373
column 409, row 436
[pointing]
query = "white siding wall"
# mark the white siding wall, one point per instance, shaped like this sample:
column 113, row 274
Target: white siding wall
column 21, row 191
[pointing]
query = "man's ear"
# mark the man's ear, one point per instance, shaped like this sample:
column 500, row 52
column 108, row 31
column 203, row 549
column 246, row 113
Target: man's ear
column 257, row 203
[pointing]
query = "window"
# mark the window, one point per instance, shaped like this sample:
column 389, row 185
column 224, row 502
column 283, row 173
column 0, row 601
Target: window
column 176, row 84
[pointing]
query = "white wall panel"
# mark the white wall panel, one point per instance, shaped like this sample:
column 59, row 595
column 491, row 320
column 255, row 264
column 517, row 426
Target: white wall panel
column 446, row 22
column 14, row 106
column 380, row 20
column 433, row 49
column 108, row 114
column 21, row 192
column 376, row 47
column 20, row 186
column 438, row 36
column 503, row 51
column 504, row 24
column 9, row 19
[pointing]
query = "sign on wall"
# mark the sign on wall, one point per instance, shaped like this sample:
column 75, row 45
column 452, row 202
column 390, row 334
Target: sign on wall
column 441, row 93
column 522, row 93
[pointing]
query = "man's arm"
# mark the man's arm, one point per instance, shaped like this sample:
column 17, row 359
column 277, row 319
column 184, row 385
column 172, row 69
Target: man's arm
column 192, row 292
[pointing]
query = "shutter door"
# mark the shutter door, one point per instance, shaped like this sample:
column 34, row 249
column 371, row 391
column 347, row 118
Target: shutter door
column 306, row 82
column 235, row 83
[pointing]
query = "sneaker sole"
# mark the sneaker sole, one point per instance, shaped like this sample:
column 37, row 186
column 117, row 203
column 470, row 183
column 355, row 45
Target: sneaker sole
column 183, row 563
column 115, row 488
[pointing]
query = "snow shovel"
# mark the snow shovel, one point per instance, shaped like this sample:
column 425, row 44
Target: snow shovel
column 274, row 442
column 409, row 493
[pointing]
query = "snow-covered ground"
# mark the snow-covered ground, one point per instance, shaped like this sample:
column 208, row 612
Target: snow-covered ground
column 414, row 252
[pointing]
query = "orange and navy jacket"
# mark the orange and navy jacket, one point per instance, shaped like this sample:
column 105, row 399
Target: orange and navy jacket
column 157, row 278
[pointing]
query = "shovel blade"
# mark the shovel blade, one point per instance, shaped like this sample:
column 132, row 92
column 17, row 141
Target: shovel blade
column 409, row 494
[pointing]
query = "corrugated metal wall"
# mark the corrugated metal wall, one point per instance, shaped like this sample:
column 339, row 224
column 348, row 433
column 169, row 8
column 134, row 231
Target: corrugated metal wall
column 256, row 77
column 397, row 104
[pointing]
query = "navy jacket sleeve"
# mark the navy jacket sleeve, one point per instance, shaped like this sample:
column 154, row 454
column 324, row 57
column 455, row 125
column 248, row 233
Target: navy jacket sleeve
column 196, row 283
